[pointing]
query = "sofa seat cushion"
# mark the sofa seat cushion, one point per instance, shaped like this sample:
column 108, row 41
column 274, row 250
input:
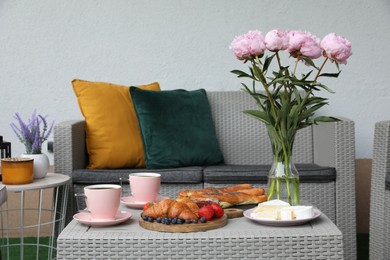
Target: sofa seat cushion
column 258, row 173
column 176, row 175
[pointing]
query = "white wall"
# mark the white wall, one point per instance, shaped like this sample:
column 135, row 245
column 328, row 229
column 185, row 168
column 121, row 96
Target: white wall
column 44, row 44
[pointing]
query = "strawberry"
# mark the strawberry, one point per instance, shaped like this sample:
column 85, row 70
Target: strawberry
column 218, row 210
column 147, row 205
column 207, row 212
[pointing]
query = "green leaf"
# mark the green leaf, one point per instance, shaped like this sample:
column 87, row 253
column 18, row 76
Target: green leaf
column 308, row 60
column 267, row 62
column 277, row 80
column 304, row 77
column 260, row 115
column 325, row 119
column 323, row 87
column 331, row 75
column 241, row 74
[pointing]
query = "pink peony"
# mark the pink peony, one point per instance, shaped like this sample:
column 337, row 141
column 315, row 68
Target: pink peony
column 276, row 40
column 336, row 48
column 249, row 45
column 304, row 43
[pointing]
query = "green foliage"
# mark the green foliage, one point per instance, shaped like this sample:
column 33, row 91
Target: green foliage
column 286, row 102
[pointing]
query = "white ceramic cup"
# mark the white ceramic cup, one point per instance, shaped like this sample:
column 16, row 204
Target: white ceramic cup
column 144, row 186
column 103, row 200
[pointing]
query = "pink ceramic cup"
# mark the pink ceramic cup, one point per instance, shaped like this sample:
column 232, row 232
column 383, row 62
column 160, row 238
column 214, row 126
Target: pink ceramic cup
column 144, row 186
column 103, row 200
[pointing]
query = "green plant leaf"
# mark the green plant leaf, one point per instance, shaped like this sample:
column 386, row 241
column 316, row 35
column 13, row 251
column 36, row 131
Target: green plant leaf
column 260, row 115
column 241, row 74
column 331, row 75
column 267, row 62
column 308, row 60
column 325, row 119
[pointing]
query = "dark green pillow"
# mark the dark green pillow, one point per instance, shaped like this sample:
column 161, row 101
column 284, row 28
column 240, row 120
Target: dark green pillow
column 177, row 128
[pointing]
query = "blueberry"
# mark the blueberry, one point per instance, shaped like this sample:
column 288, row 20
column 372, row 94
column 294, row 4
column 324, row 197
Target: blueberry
column 158, row 220
column 203, row 220
column 188, row 221
column 168, row 222
column 170, row 219
column 163, row 221
column 195, row 221
column 174, row 221
column 180, row 221
column 150, row 219
column 145, row 218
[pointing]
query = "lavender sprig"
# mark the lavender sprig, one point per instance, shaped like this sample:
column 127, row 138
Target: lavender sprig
column 31, row 134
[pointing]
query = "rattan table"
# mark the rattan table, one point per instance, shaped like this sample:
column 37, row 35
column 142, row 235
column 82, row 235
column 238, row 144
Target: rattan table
column 239, row 239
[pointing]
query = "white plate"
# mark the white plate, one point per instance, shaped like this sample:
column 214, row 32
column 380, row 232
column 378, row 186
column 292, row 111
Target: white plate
column 281, row 223
column 132, row 203
column 85, row 218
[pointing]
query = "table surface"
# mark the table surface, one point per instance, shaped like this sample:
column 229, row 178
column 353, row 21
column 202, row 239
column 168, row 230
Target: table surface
column 241, row 237
column 51, row 180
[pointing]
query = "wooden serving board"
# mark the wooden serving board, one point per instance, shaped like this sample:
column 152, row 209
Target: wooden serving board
column 184, row 228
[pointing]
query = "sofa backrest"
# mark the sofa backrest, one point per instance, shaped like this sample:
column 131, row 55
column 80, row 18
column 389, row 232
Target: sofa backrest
column 243, row 139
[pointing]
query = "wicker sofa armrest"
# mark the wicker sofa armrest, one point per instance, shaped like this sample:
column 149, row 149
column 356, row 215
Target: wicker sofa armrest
column 334, row 146
column 380, row 167
column 69, row 147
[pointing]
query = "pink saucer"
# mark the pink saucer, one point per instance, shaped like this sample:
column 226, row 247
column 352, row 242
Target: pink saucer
column 130, row 202
column 85, row 218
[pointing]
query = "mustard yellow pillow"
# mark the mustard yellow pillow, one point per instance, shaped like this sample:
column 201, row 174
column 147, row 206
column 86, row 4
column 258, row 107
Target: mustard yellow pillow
column 112, row 133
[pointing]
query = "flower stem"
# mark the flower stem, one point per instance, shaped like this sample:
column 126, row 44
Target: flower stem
column 296, row 65
column 319, row 71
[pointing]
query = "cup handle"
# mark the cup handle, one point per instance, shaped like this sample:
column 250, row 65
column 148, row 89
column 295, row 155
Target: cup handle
column 121, row 180
column 77, row 197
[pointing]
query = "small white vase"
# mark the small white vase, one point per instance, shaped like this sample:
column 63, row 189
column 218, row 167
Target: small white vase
column 41, row 164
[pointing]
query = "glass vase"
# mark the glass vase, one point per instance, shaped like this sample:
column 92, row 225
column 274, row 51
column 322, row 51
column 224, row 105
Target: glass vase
column 283, row 177
column 283, row 182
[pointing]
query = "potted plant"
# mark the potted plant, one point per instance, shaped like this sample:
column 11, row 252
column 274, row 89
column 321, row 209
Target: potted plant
column 32, row 134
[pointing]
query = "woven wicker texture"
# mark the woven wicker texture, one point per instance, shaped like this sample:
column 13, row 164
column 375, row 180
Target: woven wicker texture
column 244, row 140
column 240, row 239
column 380, row 197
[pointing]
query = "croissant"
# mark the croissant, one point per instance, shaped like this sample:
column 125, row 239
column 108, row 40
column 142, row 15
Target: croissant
column 171, row 209
column 227, row 196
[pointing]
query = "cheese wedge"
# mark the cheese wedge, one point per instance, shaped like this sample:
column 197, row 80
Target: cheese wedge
column 280, row 210
column 301, row 212
column 269, row 210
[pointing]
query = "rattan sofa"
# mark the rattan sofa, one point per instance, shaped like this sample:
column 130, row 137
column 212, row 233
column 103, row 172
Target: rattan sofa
column 380, row 194
column 247, row 153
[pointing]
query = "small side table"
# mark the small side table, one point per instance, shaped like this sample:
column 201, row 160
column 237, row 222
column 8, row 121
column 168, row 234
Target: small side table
column 41, row 212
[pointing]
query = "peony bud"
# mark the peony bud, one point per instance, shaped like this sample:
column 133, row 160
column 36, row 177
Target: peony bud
column 249, row 45
column 303, row 43
column 336, row 48
column 276, row 40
